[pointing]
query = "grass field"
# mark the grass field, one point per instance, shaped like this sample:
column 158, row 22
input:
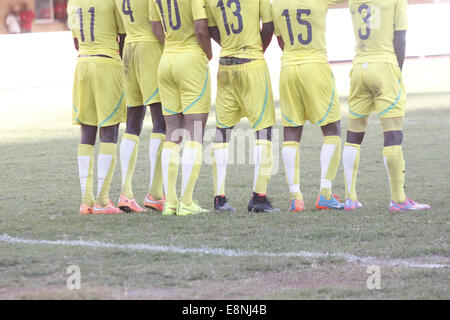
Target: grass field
column 233, row 255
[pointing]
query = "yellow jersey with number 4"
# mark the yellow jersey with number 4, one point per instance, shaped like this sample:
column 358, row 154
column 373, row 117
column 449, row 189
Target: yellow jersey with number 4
column 374, row 24
column 238, row 22
column 136, row 20
column 96, row 24
column 302, row 25
column 177, row 19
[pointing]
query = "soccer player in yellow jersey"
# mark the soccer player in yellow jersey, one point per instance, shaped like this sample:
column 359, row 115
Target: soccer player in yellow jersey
column 98, row 97
column 141, row 56
column 307, row 92
column 184, row 83
column 244, row 89
column 377, row 86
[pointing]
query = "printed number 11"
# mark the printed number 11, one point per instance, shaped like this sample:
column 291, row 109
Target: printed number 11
column 80, row 15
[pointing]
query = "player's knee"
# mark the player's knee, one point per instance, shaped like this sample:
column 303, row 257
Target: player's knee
column 355, row 137
column 223, row 135
column 393, row 138
column 264, row 134
column 292, row 133
column 109, row 134
column 332, row 129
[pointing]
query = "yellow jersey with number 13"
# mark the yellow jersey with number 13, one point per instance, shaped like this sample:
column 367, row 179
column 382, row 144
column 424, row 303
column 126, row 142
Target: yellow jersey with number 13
column 302, row 25
column 374, row 24
column 96, row 24
column 238, row 22
column 136, row 20
column 177, row 19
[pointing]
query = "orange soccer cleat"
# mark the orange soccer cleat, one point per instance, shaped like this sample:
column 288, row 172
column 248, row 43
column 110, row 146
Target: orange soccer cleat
column 108, row 209
column 129, row 205
column 153, row 204
column 297, row 206
column 85, row 209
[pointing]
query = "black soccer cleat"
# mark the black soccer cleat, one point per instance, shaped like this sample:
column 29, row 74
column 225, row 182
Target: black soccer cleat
column 221, row 204
column 260, row 203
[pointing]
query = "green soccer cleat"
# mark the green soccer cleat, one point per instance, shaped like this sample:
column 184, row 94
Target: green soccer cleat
column 185, row 210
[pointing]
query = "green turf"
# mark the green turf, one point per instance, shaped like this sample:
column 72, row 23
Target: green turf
column 40, row 195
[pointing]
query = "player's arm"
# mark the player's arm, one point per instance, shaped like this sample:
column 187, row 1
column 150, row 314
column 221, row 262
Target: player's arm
column 158, row 31
column 75, row 42
column 400, row 46
column 214, row 34
column 280, row 42
column 203, row 38
column 121, row 39
column 266, row 34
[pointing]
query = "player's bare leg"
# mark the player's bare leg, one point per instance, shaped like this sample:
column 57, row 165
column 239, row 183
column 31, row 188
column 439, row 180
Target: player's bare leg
column 263, row 171
column 290, row 154
column 191, row 162
column 330, row 158
column 128, row 154
column 155, row 197
column 219, row 167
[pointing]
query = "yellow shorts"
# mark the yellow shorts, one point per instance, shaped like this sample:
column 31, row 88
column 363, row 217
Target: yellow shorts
column 141, row 60
column 308, row 92
column 184, row 83
column 376, row 86
column 98, row 96
column 245, row 90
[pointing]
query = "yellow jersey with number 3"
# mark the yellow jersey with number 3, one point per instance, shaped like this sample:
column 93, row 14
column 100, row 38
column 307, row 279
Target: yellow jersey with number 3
column 177, row 19
column 96, row 24
column 136, row 20
column 238, row 22
column 302, row 25
column 374, row 23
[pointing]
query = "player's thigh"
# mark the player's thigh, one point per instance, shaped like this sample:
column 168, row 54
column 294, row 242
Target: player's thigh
column 291, row 103
column 169, row 91
column 360, row 101
column 391, row 100
column 228, row 110
column 131, row 82
column 319, row 93
column 256, row 94
column 83, row 99
column 147, row 62
column 192, row 74
column 108, row 92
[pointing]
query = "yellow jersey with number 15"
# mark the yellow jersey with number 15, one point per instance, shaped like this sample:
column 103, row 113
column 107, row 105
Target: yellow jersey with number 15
column 302, row 25
column 136, row 20
column 238, row 22
column 374, row 24
column 96, row 24
column 177, row 19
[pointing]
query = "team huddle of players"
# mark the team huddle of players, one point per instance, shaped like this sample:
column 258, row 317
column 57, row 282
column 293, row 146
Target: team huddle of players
column 139, row 53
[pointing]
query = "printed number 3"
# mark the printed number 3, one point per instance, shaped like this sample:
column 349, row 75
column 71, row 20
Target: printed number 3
column 366, row 20
column 236, row 12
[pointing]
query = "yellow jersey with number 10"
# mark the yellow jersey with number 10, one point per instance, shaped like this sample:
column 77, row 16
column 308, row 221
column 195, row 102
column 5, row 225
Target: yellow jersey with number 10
column 302, row 25
column 238, row 22
column 177, row 19
column 96, row 24
column 136, row 20
column 374, row 24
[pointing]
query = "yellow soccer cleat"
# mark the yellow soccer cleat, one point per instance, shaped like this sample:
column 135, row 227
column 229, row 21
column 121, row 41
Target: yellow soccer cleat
column 169, row 209
column 185, row 210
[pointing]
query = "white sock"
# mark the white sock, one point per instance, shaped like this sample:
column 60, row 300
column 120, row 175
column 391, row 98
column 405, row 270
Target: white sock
column 165, row 163
column 187, row 164
column 326, row 155
column 154, row 145
column 104, row 163
column 126, row 149
column 289, row 156
column 348, row 160
column 83, row 170
column 221, row 157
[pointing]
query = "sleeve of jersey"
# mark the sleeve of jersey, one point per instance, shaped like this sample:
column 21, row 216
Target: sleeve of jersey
column 265, row 11
column 400, row 16
column 199, row 10
column 153, row 13
column 276, row 29
column 211, row 21
column 119, row 23
column 331, row 2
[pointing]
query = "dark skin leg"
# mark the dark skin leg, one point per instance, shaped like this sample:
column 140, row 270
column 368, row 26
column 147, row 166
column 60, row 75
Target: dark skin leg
column 135, row 120
column 393, row 138
column 293, row 133
column 174, row 125
column 88, row 134
column 332, row 129
column 264, row 134
column 159, row 125
column 355, row 137
column 195, row 126
column 109, row 134
column 223, row 135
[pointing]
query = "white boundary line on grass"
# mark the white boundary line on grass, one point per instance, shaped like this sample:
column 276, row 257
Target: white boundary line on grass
column 223, row 252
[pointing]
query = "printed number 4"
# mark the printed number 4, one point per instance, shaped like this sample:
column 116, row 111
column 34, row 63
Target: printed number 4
column 308, row 25
column 126, row 9
column 80, row 15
